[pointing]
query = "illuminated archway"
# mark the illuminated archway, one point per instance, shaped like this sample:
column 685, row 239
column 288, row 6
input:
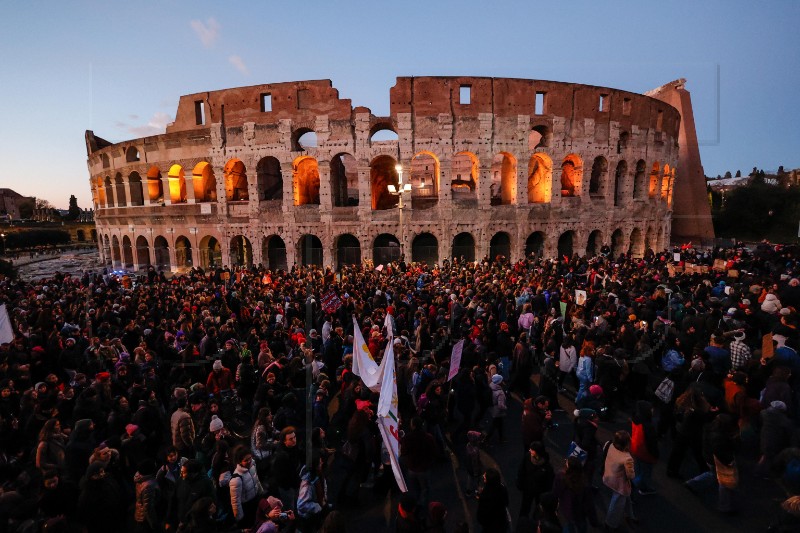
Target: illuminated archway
column 204, row 183
column 571, row 175
column 464, row 177
column 109, row 186
column 155, row 189
column 654, row 175
column 306, row 181
column 235, row 175
column 540, row 178
column 666, row 183
column 424, row 180
column 100, row 190
column 177, row 184
column 382, row 173
column 504, row 179
column 183, row 253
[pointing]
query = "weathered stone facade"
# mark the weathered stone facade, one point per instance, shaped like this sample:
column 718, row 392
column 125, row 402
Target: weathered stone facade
column 497, row 166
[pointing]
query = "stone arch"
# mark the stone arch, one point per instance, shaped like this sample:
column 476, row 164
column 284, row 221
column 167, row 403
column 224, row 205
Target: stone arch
column 303, row 139
column 135, row 186
column 622, row 143
column 597, row 180
column 109, row 187
column 142, row 251
column 93, row 234
column 595, row 243
column 116, row 252
column 309, row 250
column 639, row 180
column 127, row 253
column 620, row 175
column 269, row 179
column 273, row 253
column 306, row 181
column 464, row 176
column 344, row 180
column 348, row 250
column 654, row 175
column 464, row 246
column 541, row 136
column 500, row 245
column 235, row 175
column 504, row 179
column 617, row 243
column 177, row 184
column 241, row 251
column 382, row 173
column 534, row 244
column 161, row 249
column 204, row 183
column 425, row 247
column 119, row 191
column 155, row 188
column 80, row 235
column 571, row 175
column 382, row 132
column 105, row 160
column 210, row 252
column 540, row 178
column 636, row 245
column 101, row 192
column 386, row 249
column 425, row 180
column 131, row 154
column 566, row 244
column 183, row 253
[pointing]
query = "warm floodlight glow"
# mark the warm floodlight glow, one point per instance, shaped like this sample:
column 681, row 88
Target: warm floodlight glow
column 392, row 188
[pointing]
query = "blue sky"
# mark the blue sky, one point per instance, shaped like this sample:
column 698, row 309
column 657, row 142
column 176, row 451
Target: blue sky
column 118, row 68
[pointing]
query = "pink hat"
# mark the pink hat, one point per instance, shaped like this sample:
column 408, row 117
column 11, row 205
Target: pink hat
column 595, row 390
column 130, row 429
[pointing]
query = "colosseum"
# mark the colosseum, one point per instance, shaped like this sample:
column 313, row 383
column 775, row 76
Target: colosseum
column 289, row 173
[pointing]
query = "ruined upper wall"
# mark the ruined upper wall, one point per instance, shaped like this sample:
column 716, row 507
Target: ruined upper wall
column 300, row 101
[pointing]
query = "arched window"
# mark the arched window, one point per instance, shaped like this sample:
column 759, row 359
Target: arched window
column 424, row 180
column 598, row 178
column 131, row 154
column 571, row 176
column 639, row 181
column 540, row 178
column 619, row 182
column 504, row 179
column 204, row 183
column 344, row 180
column 235, row 181
column 306, row 181
column 135, row 186
column 155, row 189
column 425, row 248
column 270, row 179
column 119, row 191
column 382, row 173
column 177, row 184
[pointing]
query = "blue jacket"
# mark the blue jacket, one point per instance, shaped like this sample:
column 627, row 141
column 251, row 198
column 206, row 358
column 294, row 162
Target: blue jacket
column 672, row 360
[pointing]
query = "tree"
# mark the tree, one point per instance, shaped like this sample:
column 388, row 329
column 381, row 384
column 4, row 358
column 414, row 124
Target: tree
column 781, row 171
column 74, row 210
column 728, row 175
column 738, row 173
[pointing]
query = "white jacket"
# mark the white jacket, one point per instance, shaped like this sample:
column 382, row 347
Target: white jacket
column 244, row 486
column 771, row 304
column 567, row 358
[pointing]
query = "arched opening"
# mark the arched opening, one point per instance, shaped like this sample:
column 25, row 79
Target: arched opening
column 344, row 181
column 425, row 248
column 500, row 245
column 566, row 245
column 636, row 246
column 424, row 180
column 597, row 181
column 142, row 252
column 155, row 189
column 383, row 133
column 464, row 247
column 127, row 253
column 162, row 253
column 386, row 249
column 464, row 177
column 348, row 250
column 135, row 186
column 93, row 233
column 204, row 183
column 116, row 254
column 80, row 235
column 540, row 178
column 671, row 188
column 382, row 173
column 269, row 179
column 210, row 252
column 241, row 251
column 616, row 244
column 100, row 189
column 109, row 186
column 504, row 179
column 639, row 185
column 303, row 139
column 654, row 174
column 666, row 183
column 273, row 249
column 310, row 250
column 594, row 243
column 540, row 137
column 306, row 181
column 534, row 244
column 131, row 154
column 622, row 144
column 177, row 184
column 119, row 191
column 183, row 253
column 571, row 176
column 619, row 182
column 235, row 181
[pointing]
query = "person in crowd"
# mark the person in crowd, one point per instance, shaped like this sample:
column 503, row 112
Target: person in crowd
column 617, row 475
column 492, row 514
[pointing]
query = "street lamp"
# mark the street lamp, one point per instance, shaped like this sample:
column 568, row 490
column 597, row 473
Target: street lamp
column 398, row 191
column 3, row 236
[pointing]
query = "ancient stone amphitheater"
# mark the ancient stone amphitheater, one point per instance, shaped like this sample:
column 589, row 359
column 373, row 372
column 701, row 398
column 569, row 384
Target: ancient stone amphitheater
column 289, row 173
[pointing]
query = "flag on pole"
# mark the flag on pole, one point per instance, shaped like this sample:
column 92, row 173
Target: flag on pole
column 455, row 359
column 387, row 414
column 6, row 330
column 330, row 302
column 364, row 366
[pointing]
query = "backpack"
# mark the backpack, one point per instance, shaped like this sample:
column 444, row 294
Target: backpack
column 665, row 390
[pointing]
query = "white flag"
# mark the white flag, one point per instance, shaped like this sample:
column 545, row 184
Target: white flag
column 455, row 359
column 364, row 366
column 6, row 330
column 387, row 414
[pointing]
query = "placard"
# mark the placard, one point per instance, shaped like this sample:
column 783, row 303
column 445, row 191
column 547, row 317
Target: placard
column 733, row 273
column 580, row 297
column 676, row 257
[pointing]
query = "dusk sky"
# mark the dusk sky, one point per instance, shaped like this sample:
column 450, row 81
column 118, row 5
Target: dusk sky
column 118, row 68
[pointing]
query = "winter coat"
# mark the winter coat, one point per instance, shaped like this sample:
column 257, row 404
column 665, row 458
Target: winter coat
column 672, row 360
column 188, row 491
column 147, row 498
column 585, row 371
column 567, row 358
column 644, row 441
column 618, row 471
column 492, row 504
column 771, row 304
column 244, row 486
column 182, row 430
column 499, row 407
column 535, row 478
column 776, row 431
column 309, row 502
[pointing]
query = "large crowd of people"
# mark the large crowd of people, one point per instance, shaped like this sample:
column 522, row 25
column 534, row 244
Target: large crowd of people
column 155, row 403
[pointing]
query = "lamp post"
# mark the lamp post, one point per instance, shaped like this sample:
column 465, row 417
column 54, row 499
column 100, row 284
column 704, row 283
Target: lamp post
column 3, row 236
column 398, row 191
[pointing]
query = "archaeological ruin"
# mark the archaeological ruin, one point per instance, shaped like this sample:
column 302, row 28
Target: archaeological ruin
column 289, row 173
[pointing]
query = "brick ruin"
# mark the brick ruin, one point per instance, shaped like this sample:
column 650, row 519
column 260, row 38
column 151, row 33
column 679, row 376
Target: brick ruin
column 289, row 173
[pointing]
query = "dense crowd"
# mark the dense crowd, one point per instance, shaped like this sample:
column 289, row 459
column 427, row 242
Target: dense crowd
column 154, row 404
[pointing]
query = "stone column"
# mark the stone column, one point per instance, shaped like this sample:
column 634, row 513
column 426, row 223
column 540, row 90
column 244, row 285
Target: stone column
column 165, row 188
column 445, row 183
column 325, row 196
column 364, row 192
column 484, row 186
column 287, row 173
column 189, row 183
column 126, row 186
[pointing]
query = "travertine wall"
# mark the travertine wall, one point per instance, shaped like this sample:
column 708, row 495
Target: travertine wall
column 233, row 180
